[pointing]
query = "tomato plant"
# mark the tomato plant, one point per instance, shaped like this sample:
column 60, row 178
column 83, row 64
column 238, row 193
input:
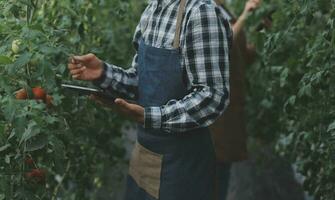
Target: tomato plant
column 62, row 146
column 291, row 90
column 53, row 144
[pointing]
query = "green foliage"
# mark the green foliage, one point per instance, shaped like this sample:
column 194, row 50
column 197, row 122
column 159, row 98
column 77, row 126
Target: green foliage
column 290, row 103
column 74, row 140
column 291, row 98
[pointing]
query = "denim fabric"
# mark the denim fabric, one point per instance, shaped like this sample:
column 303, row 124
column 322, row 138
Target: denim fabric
column 188, row 167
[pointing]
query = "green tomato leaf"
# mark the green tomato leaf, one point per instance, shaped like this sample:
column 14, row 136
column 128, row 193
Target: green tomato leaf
column 4, row 60
column 291, row 101
column 2, row 128
column 37, row 143
column 20, row 62
column 31, row 131
column 283, row 77
column 51, row 119
column 306, row 90
column 3, row 148
column 331, row 127
column 48, row 50
column 12, row 134
column 9, row 110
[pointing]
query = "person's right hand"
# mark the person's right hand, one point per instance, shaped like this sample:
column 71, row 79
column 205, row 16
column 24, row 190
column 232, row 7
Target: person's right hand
column 87, row 67
column 128, row 109
column 250, row 6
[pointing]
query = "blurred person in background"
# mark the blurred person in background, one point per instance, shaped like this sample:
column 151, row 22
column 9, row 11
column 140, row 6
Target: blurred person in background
column 229, row 132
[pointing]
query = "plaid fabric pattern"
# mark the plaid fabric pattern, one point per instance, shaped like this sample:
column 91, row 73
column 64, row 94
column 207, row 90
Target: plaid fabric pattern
column 204, row 43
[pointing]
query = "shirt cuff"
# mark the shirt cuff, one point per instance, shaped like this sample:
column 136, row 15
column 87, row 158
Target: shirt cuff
column 152, row 118
column 99, row 82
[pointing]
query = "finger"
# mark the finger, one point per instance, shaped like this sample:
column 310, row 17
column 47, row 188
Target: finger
column 124, row 105
column 71, row 66
column 84, row 58
column 77, row 71
column 72, row 60
column 253, row 6
column 121, row 102
column 74, row 66
column 253, row 2
column 77, row 76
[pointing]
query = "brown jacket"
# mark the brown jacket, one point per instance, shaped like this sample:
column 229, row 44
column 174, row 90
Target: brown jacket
column 229, row 131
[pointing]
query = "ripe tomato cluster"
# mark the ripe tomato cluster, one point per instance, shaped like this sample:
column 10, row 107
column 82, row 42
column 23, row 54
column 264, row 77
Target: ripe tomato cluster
column 38, row 93
column 35, row 175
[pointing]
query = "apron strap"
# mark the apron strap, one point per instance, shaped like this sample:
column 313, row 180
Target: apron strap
column 181, row 10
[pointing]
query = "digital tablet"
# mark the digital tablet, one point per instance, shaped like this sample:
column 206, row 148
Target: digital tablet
column 88, row 91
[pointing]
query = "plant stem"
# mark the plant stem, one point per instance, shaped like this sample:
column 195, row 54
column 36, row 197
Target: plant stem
column 28, row 13
column 28, row 72
column 55, row 192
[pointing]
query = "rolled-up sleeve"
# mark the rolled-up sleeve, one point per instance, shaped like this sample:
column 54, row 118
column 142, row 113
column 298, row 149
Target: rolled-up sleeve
column 122, row 81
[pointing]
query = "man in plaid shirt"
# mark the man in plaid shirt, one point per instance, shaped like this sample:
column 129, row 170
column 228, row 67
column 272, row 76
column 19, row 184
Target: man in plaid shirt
column 179, row 78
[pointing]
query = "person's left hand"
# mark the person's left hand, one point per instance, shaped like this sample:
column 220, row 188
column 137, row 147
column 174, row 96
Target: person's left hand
column 250, row 6
column 130, row 110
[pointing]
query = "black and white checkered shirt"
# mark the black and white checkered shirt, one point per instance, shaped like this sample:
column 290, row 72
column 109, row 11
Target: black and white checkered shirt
column 204, row 42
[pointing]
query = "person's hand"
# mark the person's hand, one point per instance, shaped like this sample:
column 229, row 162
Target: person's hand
column 250, row 6
column 87, row 67
column 130, row 110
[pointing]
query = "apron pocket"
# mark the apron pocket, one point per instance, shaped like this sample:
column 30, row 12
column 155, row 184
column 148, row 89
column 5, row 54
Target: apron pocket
column 145, row 168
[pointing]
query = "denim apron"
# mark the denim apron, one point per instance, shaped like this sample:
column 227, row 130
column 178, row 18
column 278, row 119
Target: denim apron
column 168, row 166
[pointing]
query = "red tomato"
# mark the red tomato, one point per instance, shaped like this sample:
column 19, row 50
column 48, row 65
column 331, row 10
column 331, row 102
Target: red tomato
column 21, row 94
column 39, row 93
